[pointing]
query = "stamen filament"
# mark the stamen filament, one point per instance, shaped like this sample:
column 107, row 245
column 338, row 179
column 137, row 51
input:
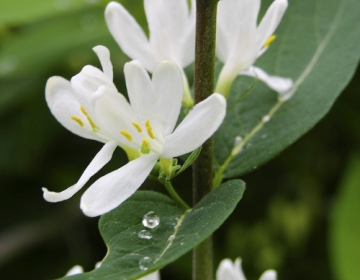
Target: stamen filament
column 269, row 41
column 78, row 120
column 92, row 124
column 126, row 134
column 149, row 129
column 145, row 147
column 137, row 126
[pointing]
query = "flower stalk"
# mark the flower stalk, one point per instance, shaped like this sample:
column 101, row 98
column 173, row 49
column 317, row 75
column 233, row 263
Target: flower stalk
column 204, row 87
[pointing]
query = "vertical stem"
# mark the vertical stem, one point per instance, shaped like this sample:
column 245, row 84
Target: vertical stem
column 203, row 87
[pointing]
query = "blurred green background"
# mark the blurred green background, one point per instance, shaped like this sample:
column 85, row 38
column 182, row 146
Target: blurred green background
column 299, row 214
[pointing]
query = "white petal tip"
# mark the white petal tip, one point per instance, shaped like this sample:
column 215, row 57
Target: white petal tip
column 112, row 5
column 101, row 49
column 269, row 275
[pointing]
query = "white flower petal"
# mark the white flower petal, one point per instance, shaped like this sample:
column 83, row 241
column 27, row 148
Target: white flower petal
column 77, row 269
column 114, row 113
column 276, row 83
column 230, row 271
column 167, row 21
column 102, row 157
column 269, row 275
column 270, row 21
column 104, row 57
column 64, row 105
column 153, row 276
column 129, row 35
column 202, row 121
column 87, row 82
column 169, row 88
column 111, row 190
column 140, row 90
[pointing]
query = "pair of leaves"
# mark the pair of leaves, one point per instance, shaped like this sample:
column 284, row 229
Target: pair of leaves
column 318, row 46
column 178, row 231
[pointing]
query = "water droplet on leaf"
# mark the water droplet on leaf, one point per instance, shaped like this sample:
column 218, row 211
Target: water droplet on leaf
column 144, row 234
column 266, row 118
column 151, row 220
column 145, row 262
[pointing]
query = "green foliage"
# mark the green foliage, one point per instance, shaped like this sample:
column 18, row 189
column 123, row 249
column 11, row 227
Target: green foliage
column 178, row 231
column 318, row 47
column 345, row 225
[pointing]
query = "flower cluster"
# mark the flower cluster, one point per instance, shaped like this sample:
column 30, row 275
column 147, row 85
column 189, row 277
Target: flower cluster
column 90, row 105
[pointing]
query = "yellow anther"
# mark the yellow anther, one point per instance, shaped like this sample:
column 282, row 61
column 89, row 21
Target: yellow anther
column 145, row 147
column 92, row 124
column 137, row 126
column 78, row 120
column 149, row 129
column 126, row 134
column 269, row 41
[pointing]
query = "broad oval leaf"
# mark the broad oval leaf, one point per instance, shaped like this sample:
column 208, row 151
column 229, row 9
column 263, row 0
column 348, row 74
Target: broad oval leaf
column 131, row 245
column 318, row 46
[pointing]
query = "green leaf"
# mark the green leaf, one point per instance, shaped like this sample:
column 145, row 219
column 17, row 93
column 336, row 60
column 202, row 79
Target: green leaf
column 345, row 226
column 318, row 46
column 178, row 231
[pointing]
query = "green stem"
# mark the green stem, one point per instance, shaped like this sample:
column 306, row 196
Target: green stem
column 203, row 88
column 175, row 195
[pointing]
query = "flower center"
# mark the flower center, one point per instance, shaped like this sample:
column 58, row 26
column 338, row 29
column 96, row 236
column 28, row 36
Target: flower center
column 149, row 141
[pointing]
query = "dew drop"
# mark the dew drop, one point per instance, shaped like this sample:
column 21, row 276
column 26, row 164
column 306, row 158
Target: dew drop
column 145, row 262
column 144, row 234
column 151, row 220
column 237, row 140
column 266, row 118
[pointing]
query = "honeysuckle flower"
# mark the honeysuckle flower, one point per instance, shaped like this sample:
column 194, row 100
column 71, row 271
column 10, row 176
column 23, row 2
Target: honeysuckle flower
column 91, row 107
column 77, row 269
column 232, row 271
column 240, row 41
column 172, row 34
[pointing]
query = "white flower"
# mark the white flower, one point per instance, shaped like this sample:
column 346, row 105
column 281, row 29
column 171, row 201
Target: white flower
column 172, row 34
column 240, row 41
column 232, row 271
column 90, row 106
column 77, row 269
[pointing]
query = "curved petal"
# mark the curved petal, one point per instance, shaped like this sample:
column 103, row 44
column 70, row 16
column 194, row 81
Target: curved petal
column 111, row 190
column 167, row 21
column 114, row 113
column 202, row 121
column 169, row 88
column 88, row 81
column 270, row 21
column 140, row 90
column 153, row 276
column 229, row 271
column 129, row 35
column 269, row 275
column 279, row 84
column 103, row 54
column 102, row 157
column 65, row 106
